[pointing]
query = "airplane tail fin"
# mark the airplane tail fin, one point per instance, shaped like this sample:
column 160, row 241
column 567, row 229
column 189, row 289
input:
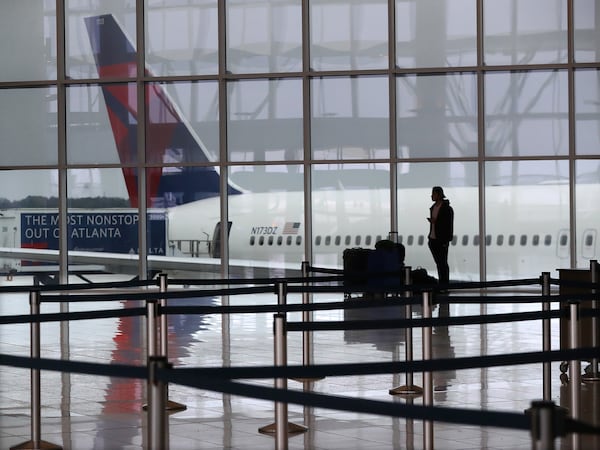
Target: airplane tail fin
column 169, row 137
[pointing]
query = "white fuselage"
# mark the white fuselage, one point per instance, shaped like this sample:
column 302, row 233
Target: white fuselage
column 527, row 227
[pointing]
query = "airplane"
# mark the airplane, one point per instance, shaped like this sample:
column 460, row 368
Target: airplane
column 527, row 226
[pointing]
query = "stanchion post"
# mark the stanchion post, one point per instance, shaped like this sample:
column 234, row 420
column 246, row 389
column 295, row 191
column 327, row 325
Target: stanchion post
column 281, row 410
column 164, row 338
column 157, row 401
column 543, row 432
column 409, row 388
column 151, row 340
column 280, row 359
column 307, row 316
column 164, row 325
column 546, row 344
column 574, row 370
column 35, row 385
column 428, row 375
column 595, row 278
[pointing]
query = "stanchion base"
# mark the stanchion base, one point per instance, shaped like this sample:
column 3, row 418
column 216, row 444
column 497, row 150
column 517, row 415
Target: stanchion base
column 30, row 445
column 307, row 380
column 407, row 390
column 175, row 407
column 171, row 406
column 292, row 428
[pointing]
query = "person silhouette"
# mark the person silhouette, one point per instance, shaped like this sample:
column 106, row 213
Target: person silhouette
column 441, row 231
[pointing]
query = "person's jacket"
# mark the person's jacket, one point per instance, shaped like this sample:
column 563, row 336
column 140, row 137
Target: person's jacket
column 444, row 224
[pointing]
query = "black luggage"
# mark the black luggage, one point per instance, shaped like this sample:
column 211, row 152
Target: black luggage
column 377, row 267
column 356, row 266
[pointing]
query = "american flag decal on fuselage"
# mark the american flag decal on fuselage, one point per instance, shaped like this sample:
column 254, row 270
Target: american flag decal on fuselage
column 291, row 228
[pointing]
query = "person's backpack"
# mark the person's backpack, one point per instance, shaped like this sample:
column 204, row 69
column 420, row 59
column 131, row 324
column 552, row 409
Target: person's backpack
column 419, row 276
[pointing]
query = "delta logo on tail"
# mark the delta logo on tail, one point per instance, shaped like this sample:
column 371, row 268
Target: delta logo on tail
column 169, row 138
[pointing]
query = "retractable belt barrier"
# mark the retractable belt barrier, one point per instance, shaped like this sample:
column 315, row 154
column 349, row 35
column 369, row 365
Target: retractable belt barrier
column 540, row 419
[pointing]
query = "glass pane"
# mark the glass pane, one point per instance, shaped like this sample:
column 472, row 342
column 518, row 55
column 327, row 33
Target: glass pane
column 264, row 36
column 434, row 33
column 265, row 120
column 102, row 124
column 586, row 17
column 348, row 200
column 348, row 35
column 91, row 132
column 28, row 40
column 526, row 114
column 458, row 180
column 182, row 123
column 192, row 226
column 587, row 190
column 25, row 194
column 28, row 126
column 350, row 118
column 100, row 40
column 437, row 116
column 268, row 218
column 100, row 217
column 524, row 199
column 525, row 32
column 587, row 112
column 182, row 39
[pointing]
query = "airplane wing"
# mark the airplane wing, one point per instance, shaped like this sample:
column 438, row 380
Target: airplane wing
column 119, row 263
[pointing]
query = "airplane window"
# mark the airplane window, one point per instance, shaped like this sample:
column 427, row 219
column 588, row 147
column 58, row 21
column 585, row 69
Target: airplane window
column 327, row 240
column 421, row 239
column 400, row 239
column 298, row 240
column 378, row 238
column 318, row 240
column 500, row 239
column 338, row 240
column 270, row 240
column 261, row 240
column 564, row 239
column 368, row 240
column 252, row 238
column 589, row 240
column 348, row 240
column 409, row 241
column 488, row 240
column 288, row 240
column 536, row 239
column 511, row 239
column 454, row 239
column 465, row 240
column 476, row 240
column 523, row 240
column 279, row 240
column 548, row 239
column 357, row 240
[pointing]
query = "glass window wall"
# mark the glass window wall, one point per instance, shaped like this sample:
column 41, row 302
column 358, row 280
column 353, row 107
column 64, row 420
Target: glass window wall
column 226, row 92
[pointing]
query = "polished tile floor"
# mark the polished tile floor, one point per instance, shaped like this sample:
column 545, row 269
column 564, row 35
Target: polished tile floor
column 90, row 412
